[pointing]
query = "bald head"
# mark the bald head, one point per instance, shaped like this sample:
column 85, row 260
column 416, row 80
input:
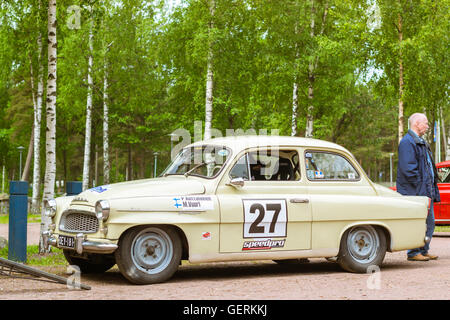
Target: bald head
column 418, row 122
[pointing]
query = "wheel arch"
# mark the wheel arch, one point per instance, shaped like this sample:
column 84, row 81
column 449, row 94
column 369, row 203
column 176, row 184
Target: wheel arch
column 181, row 234
column 377, row 224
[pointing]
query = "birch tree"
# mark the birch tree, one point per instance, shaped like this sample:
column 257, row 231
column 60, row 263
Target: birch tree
column 37, row 125
column 87, row 141
column 312, row 66
column 106, row 164
column 295, row 87
column 210, row 73
column 50, row 152
column 400, row 77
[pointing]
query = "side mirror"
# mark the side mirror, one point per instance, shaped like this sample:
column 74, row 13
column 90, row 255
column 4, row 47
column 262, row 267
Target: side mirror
column 236, row 182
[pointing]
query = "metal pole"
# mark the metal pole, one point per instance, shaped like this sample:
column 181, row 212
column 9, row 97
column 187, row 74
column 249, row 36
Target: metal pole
column 390, row 167
column 156, row 162
column 18, row 210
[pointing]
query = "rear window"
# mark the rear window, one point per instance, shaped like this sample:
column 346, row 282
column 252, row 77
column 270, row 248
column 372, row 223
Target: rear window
column 329, row 166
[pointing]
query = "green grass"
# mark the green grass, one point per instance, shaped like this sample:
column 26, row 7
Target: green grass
column 32, row 218
column 54, row 258
column 442, row 229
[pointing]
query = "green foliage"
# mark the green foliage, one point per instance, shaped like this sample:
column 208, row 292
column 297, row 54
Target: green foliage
column 155, row 55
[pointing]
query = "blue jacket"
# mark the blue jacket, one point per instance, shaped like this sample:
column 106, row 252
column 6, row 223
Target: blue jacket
column 414, row 176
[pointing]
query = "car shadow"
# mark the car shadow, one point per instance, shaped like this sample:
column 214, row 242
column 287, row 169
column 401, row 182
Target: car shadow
column 240, row 270
column 225, row 271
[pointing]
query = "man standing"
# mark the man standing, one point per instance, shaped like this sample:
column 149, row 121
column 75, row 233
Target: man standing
column 417, row 176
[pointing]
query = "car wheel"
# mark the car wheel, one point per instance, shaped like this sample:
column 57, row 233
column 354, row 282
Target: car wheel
column 362, row 247
column 149, row 255
column 94, row 263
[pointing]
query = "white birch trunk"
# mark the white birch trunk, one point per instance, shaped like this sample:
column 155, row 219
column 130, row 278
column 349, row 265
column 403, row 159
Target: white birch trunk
column 87, row 141
column 50, row 141
column 209, row 76
column 295, row 90
column 106, row 165
column 294, row 109
column 400, row 81
column 26, row 168
column 312, row 70
column 37, row 131
column 309, row 113
column 447, row 149
column 444, row 136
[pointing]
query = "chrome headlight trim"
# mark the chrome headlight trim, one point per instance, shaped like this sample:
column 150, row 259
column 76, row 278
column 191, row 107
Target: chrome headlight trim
column 102, row 210
column 50, row 208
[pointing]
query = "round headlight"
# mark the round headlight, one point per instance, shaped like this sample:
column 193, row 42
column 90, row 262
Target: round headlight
column 102, row 210
column 50, row 208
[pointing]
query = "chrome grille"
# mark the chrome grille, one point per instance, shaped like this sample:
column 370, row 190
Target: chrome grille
column 79, row 222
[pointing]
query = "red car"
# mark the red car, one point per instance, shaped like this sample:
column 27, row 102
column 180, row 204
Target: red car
column 442, row 209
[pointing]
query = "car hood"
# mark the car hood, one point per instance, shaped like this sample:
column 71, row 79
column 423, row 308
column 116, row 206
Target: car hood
column 156, row 187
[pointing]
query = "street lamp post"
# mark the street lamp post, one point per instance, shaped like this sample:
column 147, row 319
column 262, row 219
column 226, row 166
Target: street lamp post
column 156, row 162
column 391, row 154
column 20, row 148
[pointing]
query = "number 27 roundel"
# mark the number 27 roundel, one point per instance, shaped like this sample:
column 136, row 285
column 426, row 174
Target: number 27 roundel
column 264, row 218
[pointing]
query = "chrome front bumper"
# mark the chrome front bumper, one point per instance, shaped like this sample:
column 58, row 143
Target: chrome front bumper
column 81, row 244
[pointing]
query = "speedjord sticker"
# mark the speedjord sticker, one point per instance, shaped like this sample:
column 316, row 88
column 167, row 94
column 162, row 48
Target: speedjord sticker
column 265, row 244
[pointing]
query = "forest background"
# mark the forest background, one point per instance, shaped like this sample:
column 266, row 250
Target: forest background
column 99, row 86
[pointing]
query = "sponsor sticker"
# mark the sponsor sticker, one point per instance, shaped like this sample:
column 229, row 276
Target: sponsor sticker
column 265, row 218
column 206, row 235
column 265, row 244
column 318, row 175
column 99, row 189
column 194, row 203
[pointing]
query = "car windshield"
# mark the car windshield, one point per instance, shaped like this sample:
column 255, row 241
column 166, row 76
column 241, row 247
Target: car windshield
column 204, row 161
column 444, row 174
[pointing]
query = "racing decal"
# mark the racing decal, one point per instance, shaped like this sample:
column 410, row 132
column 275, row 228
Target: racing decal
column 264, row 218
column 194, row 203
column 99, row 189
column 206, row 235
column 318, row 175
column 265, row 244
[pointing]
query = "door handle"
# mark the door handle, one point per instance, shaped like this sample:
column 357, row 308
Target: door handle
column 298, row 200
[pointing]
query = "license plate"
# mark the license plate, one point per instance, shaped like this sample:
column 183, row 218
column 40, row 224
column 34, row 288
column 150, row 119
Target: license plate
column 66, row 242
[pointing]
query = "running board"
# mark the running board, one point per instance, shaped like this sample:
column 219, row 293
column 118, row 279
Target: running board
column 7, row 267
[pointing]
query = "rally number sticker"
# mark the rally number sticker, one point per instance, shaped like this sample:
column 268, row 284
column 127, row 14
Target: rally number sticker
column 265, row 218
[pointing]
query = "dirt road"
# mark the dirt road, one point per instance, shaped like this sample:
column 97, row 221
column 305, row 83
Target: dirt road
column 319, row 279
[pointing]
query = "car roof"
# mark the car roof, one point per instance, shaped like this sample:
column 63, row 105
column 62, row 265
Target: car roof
column 239, row 143
column 443, row 164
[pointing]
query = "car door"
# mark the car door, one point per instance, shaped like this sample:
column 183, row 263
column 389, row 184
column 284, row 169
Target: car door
column 337, row 192
column 442, row 209
column 271, row 211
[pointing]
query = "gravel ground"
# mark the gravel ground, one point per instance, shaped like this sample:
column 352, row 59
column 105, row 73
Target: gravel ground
column 398, row 279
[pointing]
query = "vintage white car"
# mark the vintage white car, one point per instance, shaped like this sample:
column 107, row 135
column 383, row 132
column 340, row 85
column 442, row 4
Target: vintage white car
column 238, row 198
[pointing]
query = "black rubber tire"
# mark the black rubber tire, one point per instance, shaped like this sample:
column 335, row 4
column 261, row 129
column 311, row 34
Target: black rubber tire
column 129, row 266
column 349, row 263
column 95, row 263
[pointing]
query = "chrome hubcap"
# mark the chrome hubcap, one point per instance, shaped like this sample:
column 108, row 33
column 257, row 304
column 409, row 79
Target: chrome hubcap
column 152, row 250
column 363, row 244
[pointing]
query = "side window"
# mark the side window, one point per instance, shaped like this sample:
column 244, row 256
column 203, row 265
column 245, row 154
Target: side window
column 328, row 166
column 273, row 165
column 444, row 174
column 240, row 169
